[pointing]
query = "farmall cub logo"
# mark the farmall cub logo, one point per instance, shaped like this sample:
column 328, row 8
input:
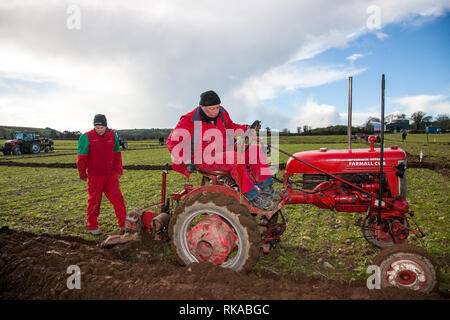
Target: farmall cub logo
column 365, row 162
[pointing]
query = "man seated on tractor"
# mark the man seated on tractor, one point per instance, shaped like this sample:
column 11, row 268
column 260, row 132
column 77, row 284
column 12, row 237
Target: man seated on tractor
column 203, row 127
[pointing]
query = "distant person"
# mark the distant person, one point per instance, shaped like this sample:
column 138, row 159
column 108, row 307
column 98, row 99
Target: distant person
column 99, row 155
column 404, row 134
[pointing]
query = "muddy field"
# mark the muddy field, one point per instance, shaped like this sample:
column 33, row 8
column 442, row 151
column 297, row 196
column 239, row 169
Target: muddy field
column 35, row 267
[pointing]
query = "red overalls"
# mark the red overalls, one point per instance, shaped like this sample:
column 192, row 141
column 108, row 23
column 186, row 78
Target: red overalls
column 103, row 165
column 203, row 139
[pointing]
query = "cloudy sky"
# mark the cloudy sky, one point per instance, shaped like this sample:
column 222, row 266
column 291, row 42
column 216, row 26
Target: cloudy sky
column 287, row 63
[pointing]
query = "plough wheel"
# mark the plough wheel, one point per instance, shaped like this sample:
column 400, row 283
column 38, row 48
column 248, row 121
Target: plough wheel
column 409, row 267
column 215, row 228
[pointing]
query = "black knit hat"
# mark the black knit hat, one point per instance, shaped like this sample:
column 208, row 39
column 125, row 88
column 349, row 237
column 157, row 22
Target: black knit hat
column 100, row 120
column 209, row 98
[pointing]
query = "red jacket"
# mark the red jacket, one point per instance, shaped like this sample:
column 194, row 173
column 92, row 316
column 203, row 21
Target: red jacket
column 99, row 155
column 187, row 122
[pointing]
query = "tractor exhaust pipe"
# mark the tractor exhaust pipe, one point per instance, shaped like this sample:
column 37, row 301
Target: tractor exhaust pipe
column 349, row 117
column 380, row 194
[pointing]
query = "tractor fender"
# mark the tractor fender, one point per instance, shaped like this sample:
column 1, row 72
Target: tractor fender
column 215, row 188
column 228, row 191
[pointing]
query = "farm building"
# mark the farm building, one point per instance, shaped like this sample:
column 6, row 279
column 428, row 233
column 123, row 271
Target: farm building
column 434, row 130
column 398, row 125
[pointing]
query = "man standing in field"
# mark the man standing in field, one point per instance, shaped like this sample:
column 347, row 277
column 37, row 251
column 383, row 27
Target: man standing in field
column 99, row 155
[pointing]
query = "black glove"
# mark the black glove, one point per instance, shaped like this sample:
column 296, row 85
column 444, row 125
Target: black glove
column 256, row 125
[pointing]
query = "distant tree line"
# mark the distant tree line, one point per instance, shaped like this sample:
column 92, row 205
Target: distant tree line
column 144, row 134
column 65, row 135
column 419, row 122
column 128, row 134
column 330, row 130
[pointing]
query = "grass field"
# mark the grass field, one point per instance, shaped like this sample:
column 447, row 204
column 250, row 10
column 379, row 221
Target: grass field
column 53, row 200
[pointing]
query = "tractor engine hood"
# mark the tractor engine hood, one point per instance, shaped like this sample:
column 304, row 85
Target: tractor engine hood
column 346, row 161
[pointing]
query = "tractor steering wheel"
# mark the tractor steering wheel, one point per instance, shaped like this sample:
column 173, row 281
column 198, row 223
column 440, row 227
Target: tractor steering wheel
column 251, row 138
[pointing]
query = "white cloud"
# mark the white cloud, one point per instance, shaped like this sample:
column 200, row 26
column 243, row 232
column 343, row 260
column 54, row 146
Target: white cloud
column 358, row 118
column 430, row 104
column 144, row 63
column 381, row 35
column 98, row 75
column 316, row 44
column 288, row 78
column 315, row 115
column 355, row 57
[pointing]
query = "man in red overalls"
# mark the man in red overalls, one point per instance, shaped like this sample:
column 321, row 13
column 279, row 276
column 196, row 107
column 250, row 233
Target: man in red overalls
column 201, row 131
column 99, row 154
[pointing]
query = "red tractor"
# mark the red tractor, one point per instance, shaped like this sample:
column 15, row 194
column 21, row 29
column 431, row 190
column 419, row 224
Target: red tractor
column 215, row 223
column 26, row 142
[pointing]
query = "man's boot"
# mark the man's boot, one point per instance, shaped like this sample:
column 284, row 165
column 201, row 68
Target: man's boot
column 270, row 192
column 262, row 202
column 259, row 200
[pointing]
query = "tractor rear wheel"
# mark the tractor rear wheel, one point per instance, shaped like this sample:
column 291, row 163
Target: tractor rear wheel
column 215, row 228
column 408, row 267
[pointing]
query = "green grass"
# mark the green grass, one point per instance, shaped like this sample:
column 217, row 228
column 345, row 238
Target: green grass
column 334, row 237
column 47, row 200
column 435, row 149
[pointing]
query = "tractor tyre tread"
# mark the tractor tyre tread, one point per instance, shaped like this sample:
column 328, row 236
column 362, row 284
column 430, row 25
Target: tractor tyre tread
column 404, row 247
column 408, row 249
column 230, row 203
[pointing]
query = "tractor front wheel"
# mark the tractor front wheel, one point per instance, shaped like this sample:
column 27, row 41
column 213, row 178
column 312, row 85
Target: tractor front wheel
column 381, row 236
column 408, row 267
column 215, row 228
column 15, row 150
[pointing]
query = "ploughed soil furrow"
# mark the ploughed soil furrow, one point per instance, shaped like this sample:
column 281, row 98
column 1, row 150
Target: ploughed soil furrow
column 42, row 267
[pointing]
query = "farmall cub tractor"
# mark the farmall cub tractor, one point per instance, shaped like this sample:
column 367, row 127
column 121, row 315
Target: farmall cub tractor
column 215, row 223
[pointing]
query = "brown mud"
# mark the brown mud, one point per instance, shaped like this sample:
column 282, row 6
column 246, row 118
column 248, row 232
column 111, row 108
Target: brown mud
column 35, row 267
